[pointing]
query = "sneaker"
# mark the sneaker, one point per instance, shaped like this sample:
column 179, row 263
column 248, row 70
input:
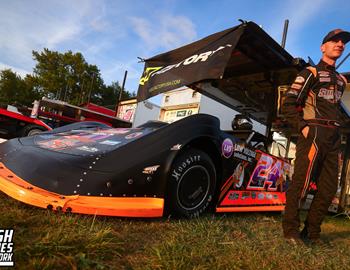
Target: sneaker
column 293, row 240
column 316, row 242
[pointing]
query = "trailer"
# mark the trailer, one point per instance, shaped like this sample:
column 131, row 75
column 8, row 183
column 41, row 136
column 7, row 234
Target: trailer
column 48, row 114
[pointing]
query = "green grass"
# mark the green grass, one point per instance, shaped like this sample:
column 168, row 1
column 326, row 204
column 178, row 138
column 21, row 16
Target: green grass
column 48, row 240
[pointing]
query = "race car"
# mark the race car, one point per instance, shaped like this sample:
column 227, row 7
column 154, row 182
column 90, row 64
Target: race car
column 180, row 168
column 184, row 168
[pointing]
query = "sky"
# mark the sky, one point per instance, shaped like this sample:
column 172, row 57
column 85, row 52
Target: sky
column 113, row 33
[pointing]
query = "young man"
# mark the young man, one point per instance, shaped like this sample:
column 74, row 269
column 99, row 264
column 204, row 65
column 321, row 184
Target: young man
column 312, row 105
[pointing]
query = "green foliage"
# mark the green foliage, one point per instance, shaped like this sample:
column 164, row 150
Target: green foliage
column 14, row 90
column 64, row 76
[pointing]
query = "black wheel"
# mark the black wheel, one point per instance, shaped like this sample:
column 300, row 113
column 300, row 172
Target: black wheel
column 31, row 130
column 191, row 184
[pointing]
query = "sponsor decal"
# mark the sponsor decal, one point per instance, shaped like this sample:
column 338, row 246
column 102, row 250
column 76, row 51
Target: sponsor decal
column 241, row 152
column 227, row 148
column 202, row 57
column 165, row 84
column 293, row 92
column 253, row 195
column 330, row 95
column 177, row 172
column 117, row 131
column 6, row 247
column 45, row 137
column 110, row 142
column 245, row 195
column 236, row 180
column 147, row 74
column 269, row 174
column 151, row 169
column 58, row 144
column 261, row 196
column 176, row 147
column 296, row 86
column 87, row 149
column 233, row 196
column 299, row 79
column 340, row 82
column 133, row 135
column 323, row 73
column 325, row 79
column 249, row 198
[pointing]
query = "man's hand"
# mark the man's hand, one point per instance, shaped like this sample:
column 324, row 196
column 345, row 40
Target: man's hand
column 305, row 131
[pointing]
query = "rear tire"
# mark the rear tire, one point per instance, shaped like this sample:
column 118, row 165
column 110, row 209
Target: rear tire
column 191, row 184
column 31, row 130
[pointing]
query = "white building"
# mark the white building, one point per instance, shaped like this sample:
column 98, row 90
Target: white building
column 184, row 101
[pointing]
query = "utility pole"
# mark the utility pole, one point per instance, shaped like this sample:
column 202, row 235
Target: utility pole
column 285, row 30
column 123, row 85
column 92, row 82
column 120, row 93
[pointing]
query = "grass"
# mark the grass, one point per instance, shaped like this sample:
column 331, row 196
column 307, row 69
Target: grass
column 48, row 240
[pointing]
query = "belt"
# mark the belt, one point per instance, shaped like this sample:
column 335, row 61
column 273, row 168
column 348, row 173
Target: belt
column 324, row 122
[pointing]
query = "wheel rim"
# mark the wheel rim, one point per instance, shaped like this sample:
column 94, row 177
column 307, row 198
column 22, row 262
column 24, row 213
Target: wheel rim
column 193, row 187
column 34, row 131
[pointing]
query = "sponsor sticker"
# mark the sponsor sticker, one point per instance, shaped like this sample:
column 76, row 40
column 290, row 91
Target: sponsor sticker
column 325, row 79
column 6, row 247
column 340, row 83
column 117, row 131
column 88, row 149
column 227, row 148
column 233, row 196
column 151, row 169
column 261, row 196
column 133, row 135
column 296, row 86
column 110, row 142
column 176, row 147
column 243, row 153
column 293, row 92
column 299, row 79
column 323, row 73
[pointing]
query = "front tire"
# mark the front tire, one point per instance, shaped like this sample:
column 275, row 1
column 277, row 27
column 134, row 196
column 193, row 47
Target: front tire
column 191, row 184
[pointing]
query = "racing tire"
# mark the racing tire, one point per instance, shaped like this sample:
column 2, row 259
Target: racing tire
column 31, row 130
column 191, row 184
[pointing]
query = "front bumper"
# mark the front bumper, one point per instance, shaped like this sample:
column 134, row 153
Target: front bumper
column 19, row 189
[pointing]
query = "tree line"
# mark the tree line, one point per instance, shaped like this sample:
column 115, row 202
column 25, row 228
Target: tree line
column 63, row 76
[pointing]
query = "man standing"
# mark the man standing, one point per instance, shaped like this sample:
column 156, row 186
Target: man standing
column 312, row 105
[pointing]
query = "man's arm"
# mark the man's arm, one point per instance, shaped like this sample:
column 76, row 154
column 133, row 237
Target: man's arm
column 295, row 98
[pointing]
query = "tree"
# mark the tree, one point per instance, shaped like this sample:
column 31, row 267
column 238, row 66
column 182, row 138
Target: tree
column 14, row 90
column 64, row 76
column 109, row 95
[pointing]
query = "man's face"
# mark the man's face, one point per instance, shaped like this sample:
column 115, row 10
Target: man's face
column 333, row 49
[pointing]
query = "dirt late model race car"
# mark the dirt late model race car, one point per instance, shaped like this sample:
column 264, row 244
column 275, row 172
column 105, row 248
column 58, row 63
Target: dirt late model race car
column 182, row 168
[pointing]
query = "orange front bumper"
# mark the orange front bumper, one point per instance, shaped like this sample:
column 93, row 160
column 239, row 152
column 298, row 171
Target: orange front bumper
column 21, row 190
